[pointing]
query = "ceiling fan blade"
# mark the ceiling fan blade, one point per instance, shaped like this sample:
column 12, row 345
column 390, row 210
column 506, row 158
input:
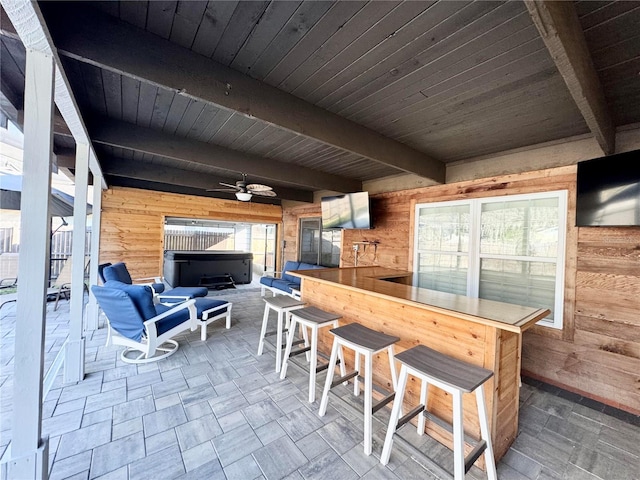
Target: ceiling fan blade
column 228, row 190
column 257, row 187
column 235, row 187
column 263, row 193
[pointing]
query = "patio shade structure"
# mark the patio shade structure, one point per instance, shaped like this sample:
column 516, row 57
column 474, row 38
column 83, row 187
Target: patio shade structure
column 11, row 194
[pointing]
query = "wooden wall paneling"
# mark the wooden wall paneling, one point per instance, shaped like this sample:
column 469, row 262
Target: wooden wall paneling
column 133, row 223
column 596, row 352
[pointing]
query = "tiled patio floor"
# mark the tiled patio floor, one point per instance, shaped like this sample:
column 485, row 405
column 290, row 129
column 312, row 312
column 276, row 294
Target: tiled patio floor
column 216, row 410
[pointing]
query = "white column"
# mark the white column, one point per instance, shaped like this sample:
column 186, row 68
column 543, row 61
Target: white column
column 29, row 452
column 74, row 348
column 91, row 318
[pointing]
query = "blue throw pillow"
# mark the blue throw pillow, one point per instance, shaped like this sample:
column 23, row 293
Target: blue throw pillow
column 142, row 297
column 119, row 272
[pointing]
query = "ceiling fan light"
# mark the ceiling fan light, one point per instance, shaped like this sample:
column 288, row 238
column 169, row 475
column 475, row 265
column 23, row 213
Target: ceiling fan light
column 243, row 196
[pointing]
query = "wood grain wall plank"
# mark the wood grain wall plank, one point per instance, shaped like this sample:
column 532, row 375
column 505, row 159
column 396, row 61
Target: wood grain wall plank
column 596, row 353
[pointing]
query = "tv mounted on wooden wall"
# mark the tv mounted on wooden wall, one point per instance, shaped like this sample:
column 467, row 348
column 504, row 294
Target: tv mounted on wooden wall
column 351, row 210
column 608, row 191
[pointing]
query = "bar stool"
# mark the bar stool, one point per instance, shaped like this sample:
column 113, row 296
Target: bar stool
column 283, row 305
column 367, row 342
column 312, row 318
column 455, row 377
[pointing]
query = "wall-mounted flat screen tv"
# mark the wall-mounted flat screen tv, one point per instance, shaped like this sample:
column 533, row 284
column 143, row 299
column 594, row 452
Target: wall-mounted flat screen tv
column 608, row 191
column 351, row 210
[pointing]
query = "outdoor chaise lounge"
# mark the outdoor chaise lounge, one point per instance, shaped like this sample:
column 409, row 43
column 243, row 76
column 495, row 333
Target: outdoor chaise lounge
column 61, row 287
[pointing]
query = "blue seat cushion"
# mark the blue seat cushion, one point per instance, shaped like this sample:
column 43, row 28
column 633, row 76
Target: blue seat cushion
column 172, row 320
column 141, row 295
column 158, row 287
column 285, row 286
column 288, row 266
column 309, row 266
column 191, row 292
column 117, row 271
column 268, row 281
column 204, row 304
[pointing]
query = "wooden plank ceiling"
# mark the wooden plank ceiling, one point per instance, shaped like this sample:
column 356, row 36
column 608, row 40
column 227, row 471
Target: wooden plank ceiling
column 312, row 95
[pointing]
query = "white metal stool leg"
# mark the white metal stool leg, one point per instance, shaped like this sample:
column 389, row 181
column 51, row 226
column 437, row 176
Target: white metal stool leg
column 423, row 401
column 486, row 436
column 395, row 415
column 343, row 370
column 327, row 383
column 458, row 436
column 356, row 380
column 305, row 337
column 368, row 399
column 287, row 350
column 313, row 364
column 263, row 330
column 279, row 340
column 392, row 367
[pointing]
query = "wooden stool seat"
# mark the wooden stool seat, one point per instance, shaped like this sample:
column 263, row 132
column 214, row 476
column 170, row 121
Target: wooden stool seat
column 311, row 318
column 455, row 377
column 364, row 342
column 315, row 315
column 283, row 305
column 364, row 337
column 449, row 370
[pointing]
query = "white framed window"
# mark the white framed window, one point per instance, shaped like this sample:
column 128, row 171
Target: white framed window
column 510, row 249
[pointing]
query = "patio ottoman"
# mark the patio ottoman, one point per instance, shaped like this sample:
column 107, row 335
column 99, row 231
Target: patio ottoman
column 211, row 309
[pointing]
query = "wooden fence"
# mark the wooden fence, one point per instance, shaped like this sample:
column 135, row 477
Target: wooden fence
column 62, row 241
column 197, row 240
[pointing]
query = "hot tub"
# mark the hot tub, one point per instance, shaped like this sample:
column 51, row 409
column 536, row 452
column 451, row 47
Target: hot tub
column 206, row 268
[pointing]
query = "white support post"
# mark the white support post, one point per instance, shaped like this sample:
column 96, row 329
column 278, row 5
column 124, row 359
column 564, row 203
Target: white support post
column 29, row 452
column 74, row 348
column 93, row 311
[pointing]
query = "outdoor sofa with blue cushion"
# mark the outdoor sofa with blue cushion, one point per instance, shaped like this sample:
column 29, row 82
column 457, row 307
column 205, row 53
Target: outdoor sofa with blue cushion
column 281, row 283
column 144, row 327
column 119, row 272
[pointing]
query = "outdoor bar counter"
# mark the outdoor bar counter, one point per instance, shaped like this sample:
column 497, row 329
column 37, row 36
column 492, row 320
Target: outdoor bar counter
column 481, row 332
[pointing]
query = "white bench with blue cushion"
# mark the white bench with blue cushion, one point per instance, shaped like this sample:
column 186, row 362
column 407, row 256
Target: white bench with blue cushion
column 281, row 283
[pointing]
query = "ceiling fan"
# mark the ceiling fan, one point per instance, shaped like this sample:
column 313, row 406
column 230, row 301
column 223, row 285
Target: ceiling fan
column 244, row 191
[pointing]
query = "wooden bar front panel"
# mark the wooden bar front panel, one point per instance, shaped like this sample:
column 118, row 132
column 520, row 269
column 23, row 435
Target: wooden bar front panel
column 478, row 344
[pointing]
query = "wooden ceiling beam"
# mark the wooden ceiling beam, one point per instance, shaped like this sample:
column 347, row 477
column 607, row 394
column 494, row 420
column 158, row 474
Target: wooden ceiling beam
column 91, row 36
column 168, row 188
column 146, row 140
column 176, row 176
column 559, row 26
